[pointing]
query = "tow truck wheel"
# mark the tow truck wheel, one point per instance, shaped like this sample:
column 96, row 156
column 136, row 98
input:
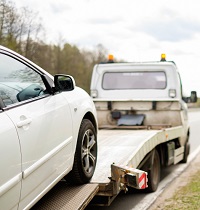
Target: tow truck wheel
column 154, row 172
column 186, row 152
column 85, row 155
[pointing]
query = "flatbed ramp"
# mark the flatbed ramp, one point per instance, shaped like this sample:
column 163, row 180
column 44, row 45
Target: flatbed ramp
column 127, row 148
column 66, row 197
column 119, row 147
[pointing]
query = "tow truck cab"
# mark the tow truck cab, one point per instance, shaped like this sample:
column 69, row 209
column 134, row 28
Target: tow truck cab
column 138, row 80
column 152, row 90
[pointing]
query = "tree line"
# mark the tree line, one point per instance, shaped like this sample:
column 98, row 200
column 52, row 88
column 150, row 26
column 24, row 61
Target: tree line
column 21, row 30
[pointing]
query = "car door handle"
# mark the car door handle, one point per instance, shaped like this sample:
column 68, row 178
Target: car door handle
column 24, row 122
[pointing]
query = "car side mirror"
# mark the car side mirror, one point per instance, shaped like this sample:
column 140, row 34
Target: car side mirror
column 64, row 82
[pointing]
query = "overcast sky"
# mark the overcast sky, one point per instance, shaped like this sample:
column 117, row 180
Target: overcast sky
column 133, row 30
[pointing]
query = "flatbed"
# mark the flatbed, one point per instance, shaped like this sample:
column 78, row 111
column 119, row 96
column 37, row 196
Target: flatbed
column 119, row 147
column 127, row 148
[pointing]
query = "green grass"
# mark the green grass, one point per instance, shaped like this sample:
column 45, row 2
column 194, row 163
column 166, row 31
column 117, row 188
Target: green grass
column 187, row 197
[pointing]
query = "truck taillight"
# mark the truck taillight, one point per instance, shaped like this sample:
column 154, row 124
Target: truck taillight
column 94, row 93
column 172, row 93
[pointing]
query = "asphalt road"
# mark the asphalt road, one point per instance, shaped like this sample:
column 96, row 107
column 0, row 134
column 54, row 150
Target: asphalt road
column 142, row 201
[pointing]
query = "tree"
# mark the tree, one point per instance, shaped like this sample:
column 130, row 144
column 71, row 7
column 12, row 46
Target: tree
column 8, row 20
column 20, row 30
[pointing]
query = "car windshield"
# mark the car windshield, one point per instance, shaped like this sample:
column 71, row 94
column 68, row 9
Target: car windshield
column 134, row 80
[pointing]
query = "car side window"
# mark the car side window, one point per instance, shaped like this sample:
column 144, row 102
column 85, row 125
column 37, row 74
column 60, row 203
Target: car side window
column 18, row 82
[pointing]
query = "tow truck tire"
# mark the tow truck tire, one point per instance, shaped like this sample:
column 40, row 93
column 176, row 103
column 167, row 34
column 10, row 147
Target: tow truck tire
column 154, row 172
column 186, row 152
column 85, row 156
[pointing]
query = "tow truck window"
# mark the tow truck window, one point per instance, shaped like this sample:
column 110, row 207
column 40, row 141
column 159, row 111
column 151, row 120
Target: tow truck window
column 134, row 80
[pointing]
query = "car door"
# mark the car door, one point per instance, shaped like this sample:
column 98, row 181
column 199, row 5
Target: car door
column 44, row 126
column 10, row 164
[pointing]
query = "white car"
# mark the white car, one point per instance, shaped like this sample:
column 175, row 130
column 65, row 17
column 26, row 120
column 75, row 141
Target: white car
column 48, row 131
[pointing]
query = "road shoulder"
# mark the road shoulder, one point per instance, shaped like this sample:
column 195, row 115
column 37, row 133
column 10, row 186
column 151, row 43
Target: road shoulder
column 182, row 180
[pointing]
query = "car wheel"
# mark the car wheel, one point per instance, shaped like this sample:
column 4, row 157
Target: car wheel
column 85, row 155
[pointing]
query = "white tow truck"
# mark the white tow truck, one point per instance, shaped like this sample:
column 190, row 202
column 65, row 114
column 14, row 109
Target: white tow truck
column 143, row 126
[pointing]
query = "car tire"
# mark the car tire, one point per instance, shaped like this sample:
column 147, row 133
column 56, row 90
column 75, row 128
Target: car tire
column 85, row 155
